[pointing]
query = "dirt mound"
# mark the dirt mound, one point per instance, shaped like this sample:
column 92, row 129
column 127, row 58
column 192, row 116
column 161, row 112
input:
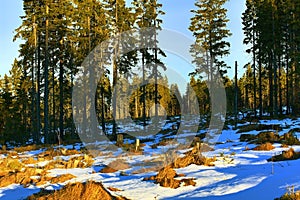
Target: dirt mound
column 166, row 178
column 286, row 155
column 115, row 166
column 85, row 191
column 264, row 147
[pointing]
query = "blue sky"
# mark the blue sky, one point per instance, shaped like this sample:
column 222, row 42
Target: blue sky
column 177, row 18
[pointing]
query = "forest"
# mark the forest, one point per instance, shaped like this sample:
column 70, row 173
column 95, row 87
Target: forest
column 97, row 107
column 36, row 96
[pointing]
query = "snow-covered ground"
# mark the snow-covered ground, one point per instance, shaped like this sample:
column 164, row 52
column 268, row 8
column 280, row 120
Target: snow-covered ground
column 237, row 174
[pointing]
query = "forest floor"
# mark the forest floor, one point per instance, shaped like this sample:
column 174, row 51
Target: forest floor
column 254, row 161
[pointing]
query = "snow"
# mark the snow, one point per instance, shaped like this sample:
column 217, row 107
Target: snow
column 237, row 174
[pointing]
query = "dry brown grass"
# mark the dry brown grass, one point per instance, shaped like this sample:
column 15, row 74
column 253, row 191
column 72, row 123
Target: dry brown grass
column 29, row 160
column 267, row 136
column 114, row 189
column 284, row 145
column 192, row 157
column 166, row 178
column 264, row 147
column 290, row 196
column 50, row 153
column 20, row 177
column 83, row 191
column 286, row 155
column 10, row 165
column 75, row 162
column 259, row 127
column 62, row 178
column 27, row 148
column 289, row 138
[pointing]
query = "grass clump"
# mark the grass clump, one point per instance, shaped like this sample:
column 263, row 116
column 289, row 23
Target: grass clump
column 264, row 147
column 290, row 138
column 290, row 195
column 286, row 155
column 192, row 157
column 166, row 177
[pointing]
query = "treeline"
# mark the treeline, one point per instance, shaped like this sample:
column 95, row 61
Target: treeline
column 271, row 83
column 36, row 98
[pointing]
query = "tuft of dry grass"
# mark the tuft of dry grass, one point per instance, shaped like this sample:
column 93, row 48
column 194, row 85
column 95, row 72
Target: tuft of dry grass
column 289, row 138
column 166, row 177
column 85, row 191
column 290, row 196
column 75, row 162
column 20, row 177
column 192, row 157
column 267, row 136
column 10, row 165
column 264, row 147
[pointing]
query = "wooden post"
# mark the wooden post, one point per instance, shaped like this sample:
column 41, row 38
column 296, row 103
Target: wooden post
column 120, row 139
column 137, row 144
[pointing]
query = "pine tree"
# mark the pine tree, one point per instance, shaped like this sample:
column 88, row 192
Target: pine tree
column 209, row 28
column 250, row 31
